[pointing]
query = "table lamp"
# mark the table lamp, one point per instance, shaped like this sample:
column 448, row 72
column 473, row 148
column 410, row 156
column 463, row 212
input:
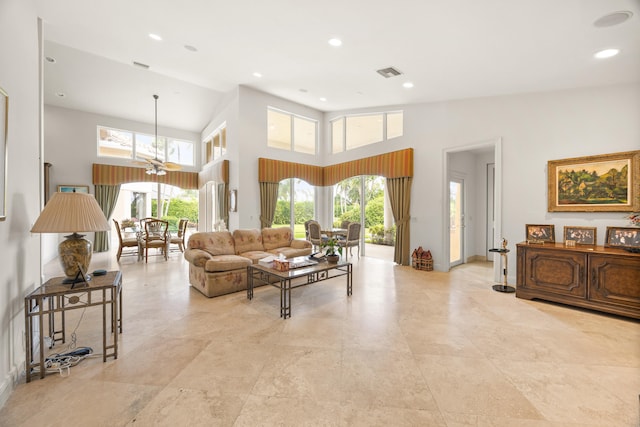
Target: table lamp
column 71, row 213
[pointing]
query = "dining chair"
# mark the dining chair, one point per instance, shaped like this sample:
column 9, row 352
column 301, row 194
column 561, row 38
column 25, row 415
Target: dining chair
column 179, row 238
column 352, row 239
column 156, row 235
column 315, row 235
column 344, row 225
column 126, row 242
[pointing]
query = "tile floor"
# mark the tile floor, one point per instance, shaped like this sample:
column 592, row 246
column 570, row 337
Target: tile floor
column 408, row 348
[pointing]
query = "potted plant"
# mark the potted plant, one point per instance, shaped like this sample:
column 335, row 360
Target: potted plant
column 333, row 250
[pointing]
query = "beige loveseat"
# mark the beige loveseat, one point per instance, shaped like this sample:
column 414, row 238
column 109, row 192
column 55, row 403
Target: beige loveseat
column 218, row 260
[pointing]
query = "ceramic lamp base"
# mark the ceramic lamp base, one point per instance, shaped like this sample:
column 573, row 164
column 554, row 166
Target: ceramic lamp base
column 75, row 252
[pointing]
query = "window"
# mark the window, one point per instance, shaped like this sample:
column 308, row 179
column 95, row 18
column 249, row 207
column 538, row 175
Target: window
column 216, row 144
column 287, row 131
column 363, row 130
column 295, row 205
column 115, row 143
column 356, row 131
column 337, row 135
column 130, row 145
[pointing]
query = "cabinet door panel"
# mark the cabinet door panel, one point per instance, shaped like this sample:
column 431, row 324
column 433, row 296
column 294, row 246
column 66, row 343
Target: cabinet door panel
column 556, row 272
column 615, row 280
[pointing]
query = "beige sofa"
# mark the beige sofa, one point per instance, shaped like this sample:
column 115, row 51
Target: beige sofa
column 218, row 260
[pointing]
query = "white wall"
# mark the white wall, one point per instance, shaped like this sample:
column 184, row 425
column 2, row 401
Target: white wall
column 534, row 128
column 20, row 265
column 70, row 145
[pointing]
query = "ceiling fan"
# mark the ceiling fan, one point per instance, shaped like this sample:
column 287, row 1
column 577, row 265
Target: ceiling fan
column 156, row 166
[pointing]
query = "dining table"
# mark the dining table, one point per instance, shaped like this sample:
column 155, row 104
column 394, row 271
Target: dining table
column 335, row 232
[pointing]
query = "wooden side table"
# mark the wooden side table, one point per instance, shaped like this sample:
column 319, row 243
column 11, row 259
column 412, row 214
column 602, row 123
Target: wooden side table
column 55, row 297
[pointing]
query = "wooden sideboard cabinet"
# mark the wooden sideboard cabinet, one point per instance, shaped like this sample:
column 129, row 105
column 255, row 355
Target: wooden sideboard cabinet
column 594, row 277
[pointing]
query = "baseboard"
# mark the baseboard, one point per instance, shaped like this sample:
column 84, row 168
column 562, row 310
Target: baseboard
column 8, row 384
column 477, row 258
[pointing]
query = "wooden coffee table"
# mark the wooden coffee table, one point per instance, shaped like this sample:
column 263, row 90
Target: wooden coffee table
column 286, row 280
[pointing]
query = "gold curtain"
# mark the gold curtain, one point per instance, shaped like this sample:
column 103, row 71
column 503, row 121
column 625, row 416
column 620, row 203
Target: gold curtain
column 268, row 200
column 400, row 198
column 222, row 192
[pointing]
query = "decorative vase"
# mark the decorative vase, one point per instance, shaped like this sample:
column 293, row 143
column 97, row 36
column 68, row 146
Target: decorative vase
column 333, row 259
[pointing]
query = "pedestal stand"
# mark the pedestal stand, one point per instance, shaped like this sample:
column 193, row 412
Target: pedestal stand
column 503, row 258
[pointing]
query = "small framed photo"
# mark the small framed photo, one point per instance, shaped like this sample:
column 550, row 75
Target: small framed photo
column 581, row 235
column 623, row 237
column 541, row 233
column 73, row 189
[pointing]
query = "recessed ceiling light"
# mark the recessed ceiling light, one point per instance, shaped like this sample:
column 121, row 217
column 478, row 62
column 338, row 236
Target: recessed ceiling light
column 50, row 59
column 155, row 36
column 303, row 90
column 257, row 74
column 323, row 99
column 407, row 85
column 606, row 53
column 190, row 48
column 612, row 19
column 335, row 42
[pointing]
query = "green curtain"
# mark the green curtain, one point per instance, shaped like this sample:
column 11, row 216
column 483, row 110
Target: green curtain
column 106, row 196
column 400, row 199
column 222, row 193
column 268, row 200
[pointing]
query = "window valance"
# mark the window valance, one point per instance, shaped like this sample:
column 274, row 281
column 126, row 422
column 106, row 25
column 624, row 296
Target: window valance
column 275, row 171
column 115, row 175
column 396, row 164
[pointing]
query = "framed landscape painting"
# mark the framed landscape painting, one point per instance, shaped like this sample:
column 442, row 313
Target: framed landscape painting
column 604, row 183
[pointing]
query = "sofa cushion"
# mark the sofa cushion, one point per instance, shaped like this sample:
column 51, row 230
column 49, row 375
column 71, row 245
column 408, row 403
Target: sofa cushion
column 255, row 256
column 290, row 251
column 214, row 242
column 273, row 238
column 226, row 263
column 247, row 240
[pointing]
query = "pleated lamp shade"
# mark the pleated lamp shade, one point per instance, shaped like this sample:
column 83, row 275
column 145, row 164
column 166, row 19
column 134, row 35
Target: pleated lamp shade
column 70, row 213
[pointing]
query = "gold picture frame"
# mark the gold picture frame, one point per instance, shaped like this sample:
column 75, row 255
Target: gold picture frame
column 4, row 131
column 623, row 237
column 540, row 233
column 603, row 183
column 581, row 235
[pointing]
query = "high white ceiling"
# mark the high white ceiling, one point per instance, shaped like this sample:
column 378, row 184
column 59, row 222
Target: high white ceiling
column 449, row 49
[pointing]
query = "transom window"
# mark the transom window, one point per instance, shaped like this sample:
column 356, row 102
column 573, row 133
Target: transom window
column 355, row 131
column 216, row 145
column 132, row 145
column 288, row 131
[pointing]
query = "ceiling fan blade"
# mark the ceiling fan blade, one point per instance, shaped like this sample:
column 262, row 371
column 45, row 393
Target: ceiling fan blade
column 139, row 163
column 170, row 166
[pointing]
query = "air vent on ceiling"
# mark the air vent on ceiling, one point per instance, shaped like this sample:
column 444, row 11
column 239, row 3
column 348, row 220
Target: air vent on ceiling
column 141, row 65
column 389, row 72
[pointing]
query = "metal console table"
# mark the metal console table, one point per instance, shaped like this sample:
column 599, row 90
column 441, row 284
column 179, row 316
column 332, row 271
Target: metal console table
column 55, row 297
column 283, row 280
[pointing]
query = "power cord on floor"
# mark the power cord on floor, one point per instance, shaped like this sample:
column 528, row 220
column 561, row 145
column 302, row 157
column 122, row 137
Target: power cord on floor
column 63, row 362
